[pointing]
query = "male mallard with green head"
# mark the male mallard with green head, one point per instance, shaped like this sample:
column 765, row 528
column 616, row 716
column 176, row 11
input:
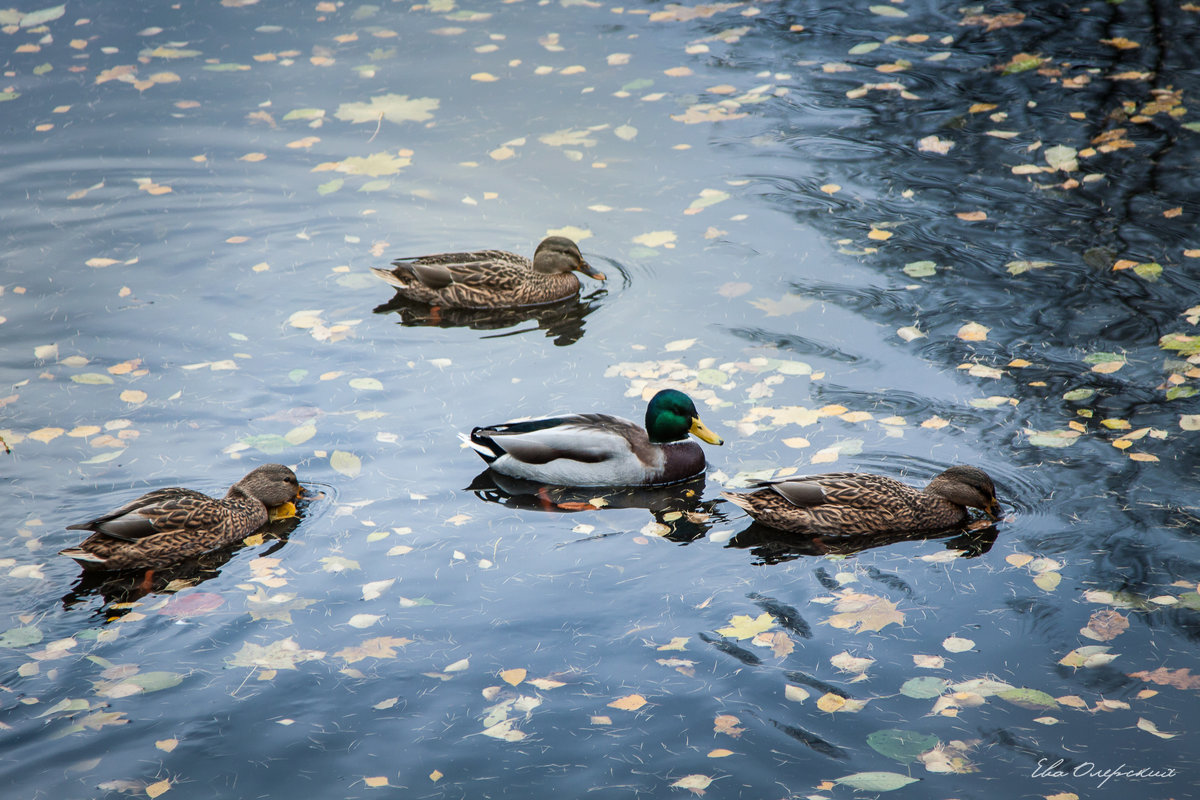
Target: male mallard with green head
column 169, row 525
column 492, row 278
column 856, row 502
column 599, row 449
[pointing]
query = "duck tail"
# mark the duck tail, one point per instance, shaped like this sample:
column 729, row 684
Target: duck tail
column 740, row 500
column 488, row 450
column 83, row 557
column 389, row 277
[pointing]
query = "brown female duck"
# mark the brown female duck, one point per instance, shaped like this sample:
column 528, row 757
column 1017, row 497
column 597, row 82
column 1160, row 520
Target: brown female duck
column 856, row 502
column 491, row 278
column 169, row 525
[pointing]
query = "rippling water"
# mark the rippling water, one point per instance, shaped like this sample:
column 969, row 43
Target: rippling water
column 799, row 207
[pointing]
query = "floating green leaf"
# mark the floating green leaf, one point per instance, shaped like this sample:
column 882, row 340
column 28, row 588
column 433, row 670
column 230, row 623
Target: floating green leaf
column 1076, row 395
column 1033, row 699
column 269, row 443
column 20, row 637
column 304, row 113
column 713, row 377
column 329, row 187
column 301, row 433
column 920, row 269
column 924, row 687
column 1056, row 438
column 92, row 378
column 41, row 17
column 392, row 107
column 888, row 11
column 1184, row 344
column 903, row 746
column 377, row 185
column 374, row 165
column 366, row 384
column 1149, row 271
column 863, row 48
column 1176, row 392
column 346, row 463
column 1017, row 267
column 66, row 706
column 876, row 781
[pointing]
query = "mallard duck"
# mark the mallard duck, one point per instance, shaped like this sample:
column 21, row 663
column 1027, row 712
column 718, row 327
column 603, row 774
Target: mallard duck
column 598, row 449
column 169, row 525
column 491, row 278
column 857, row 502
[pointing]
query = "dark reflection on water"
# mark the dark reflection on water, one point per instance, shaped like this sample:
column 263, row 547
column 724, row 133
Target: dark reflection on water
column 771, row 546
column 563, row 321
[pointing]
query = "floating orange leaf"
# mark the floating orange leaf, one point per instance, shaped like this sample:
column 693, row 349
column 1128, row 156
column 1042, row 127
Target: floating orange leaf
column 630, row 702
column 728, row 724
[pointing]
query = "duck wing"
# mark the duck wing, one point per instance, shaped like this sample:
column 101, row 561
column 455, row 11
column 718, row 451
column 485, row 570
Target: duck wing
column 588, row 438
column 495, row 268
column 151, row 514
column 850, row 489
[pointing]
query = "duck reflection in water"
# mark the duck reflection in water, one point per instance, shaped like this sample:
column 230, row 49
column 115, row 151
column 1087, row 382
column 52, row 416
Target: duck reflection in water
column 117, row 587
column 679, row 507
column 562, row 321
column 772, row 546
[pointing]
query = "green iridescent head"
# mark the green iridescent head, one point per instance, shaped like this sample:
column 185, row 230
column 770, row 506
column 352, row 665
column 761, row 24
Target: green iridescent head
column 672, row 415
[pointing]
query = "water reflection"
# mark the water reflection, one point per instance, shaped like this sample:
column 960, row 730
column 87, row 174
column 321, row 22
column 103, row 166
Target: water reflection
column 771, row 546
column 679, row 508
column 562, row 321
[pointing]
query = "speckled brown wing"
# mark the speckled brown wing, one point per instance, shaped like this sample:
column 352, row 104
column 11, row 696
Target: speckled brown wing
column 170, row 525
column 840, row 503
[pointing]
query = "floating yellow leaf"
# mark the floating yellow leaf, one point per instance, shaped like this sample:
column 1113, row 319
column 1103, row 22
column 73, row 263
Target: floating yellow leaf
column 656, row 239
column 973, row 332
column 879, row 235
column 378, row 647
column 157, row 788
column 696, row 783
column 1149, row 727
column 972, row 216
column 513, row 676
column 830, row 702
column 435, row 776
column 484, row 77
column 1121, row 43
column 45, row 435
column 742, row 626
column 864, row 612
column 167, row 745
column 956, row 644
column 1047, row 581
column 346, row 463
column 631, row 702
column 376, row 782
column 133, row 396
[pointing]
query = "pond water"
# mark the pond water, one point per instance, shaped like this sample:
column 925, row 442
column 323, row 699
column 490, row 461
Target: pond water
column 889, row 238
